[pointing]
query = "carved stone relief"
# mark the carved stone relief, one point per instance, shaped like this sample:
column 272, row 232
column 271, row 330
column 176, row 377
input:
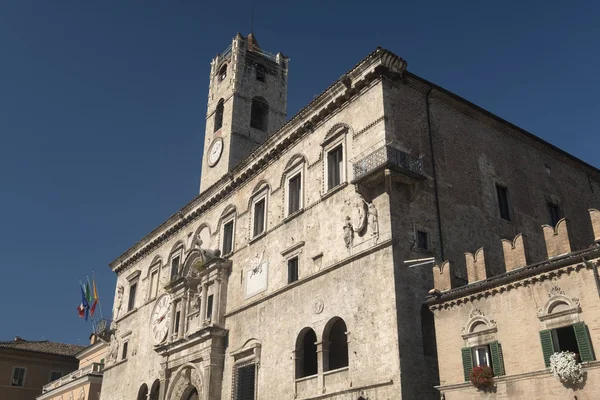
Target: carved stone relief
column 256, row 275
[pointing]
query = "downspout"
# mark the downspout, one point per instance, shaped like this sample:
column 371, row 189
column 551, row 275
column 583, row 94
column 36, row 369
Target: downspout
column 435, row 177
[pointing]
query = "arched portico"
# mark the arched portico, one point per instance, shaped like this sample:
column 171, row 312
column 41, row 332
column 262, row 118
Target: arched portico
column 186, row 384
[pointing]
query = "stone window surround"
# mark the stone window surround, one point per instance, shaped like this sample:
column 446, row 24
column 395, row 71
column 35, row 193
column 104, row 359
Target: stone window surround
column 155, row 267
column 330, row 143
column 481, row 337
column 511, row 212
column 293, row 251
column 133, row 279
column 415, row 247
column 12, row 375
column 259, row 195
column 248, row 354
column 296, row 169
column 229, row 217
column 178, row 251
column 565, row 317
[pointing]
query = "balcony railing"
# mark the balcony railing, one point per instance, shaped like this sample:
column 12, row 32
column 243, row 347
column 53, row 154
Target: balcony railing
column 391, row 157
column 92, row 369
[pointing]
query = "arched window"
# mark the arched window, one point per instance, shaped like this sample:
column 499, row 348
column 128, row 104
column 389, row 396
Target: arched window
column 143, row 392
column 219, row 115
column 222, row 72
column 154, row 390
column 260, row 72
column 259, row 115
column 335, row 335
column 193, row 395
column 306, row 353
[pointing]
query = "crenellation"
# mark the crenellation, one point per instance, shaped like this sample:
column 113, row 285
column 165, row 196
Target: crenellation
column 514, row 252
column 557, row 238
column 476, row 266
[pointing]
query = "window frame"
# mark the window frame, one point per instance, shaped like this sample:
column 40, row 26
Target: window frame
column 295, row 171
column 222, row 75
column 12, row 376
column 131, row 300
column 297, row 268
column 261, row 195
column 332, row 143
column 501, row 206
column 260, row 72
column 154, row 269
column 218, row 116
column 125, row 350
column 177, row 253
column 236, row 368
column 230, row 218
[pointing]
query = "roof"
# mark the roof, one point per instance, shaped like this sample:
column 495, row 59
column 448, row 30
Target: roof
column 43, row 346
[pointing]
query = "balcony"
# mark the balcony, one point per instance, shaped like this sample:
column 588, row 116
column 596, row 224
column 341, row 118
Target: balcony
column 408, row 168
column 92, row 369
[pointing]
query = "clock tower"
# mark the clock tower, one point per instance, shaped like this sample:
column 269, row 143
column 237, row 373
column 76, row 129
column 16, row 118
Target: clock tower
column 246, row 103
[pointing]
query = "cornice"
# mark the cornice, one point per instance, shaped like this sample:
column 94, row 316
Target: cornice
column 379, row 62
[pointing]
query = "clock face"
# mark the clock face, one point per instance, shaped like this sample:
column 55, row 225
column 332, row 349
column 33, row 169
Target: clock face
column 214, row 153
column 159, row 320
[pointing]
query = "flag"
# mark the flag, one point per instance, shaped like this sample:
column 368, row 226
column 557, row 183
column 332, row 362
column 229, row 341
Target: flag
column 94, row 297
column 84, row 306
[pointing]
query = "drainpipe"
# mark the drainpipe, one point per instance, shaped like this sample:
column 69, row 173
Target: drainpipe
column 435, row 177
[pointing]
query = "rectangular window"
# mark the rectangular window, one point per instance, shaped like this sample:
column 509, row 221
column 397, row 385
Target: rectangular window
column 260, row 73
column 335, row 159
column 132, row 290
column 124, row 352
column 209, row 307
column 18, row 377
column 292, row 269
column 503, row 202
column 228, row 237
column 487, row 355
column 422, row 240
column 574, row 338
column 481, row 356
column 174, row 267
column 294, row 193
column 54, row 375
column 245, row 382
column 153, row 284
column 259, row 217
column 177, row 317
column 553, row 214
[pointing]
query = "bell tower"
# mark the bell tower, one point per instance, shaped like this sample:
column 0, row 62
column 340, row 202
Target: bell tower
column 246, row 103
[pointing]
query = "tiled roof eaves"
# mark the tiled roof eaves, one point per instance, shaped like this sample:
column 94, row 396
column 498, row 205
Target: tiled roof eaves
column 268, row 149
column 572, row 258
column 47, row 353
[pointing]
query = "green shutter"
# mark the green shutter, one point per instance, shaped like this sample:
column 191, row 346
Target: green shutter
column 497, row 359
column 547, row 345
column 583, row 342
column 467, row 359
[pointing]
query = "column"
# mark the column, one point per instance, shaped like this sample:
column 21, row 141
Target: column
column 203, row 302
column 217, row 306
column 322, row 361
column 183, row 316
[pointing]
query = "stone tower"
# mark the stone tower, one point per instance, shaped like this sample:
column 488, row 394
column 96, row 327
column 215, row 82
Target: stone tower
column 246, row 103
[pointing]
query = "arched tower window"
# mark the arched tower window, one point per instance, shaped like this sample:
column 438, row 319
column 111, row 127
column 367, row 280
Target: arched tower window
column 306, row 353
column 260, row 72
column 335, row 335
column 222, row 72
column 259, row 115
column 219, row 115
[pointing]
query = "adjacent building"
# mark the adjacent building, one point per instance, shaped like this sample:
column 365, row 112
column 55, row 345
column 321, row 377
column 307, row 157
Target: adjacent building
column 85, row 383
column 286, row 277
column 26, row 366
column 515, row 321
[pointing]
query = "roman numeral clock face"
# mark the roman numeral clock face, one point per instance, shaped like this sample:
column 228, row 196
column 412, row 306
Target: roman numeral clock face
column 214, row 152
column 159, row 320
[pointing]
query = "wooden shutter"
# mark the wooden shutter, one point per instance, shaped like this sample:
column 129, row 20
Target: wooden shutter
column 467, row 359
column 547, row 345
column 583, row 342
column 497, row 359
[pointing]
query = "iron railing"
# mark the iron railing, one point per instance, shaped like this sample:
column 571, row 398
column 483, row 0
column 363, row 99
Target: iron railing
column 390, row 156
column 92, row 369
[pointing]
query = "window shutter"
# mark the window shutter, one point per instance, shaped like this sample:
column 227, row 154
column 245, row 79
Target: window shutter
column 583, row 342
column 547, row 345
column 497, row 359
column 467, row 359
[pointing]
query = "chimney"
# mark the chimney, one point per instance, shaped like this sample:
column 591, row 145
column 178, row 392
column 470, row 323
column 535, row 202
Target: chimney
column 18, row 339
column 514, row 252
column 557, row 239
column 476, row 266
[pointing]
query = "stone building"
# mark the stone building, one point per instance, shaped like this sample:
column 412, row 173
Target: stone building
column 85, row 383
column 514, row 322
column 26, row 366
column 285, row 278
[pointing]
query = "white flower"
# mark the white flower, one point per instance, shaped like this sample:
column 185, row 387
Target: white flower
column 565, row 367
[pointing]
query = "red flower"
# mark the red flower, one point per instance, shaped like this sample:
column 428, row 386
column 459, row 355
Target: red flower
column 482, row 376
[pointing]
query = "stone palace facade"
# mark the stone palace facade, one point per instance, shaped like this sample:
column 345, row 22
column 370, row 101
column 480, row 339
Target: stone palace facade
column 285, row 278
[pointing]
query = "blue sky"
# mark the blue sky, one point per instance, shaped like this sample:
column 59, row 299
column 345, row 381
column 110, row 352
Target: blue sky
column 102, row 109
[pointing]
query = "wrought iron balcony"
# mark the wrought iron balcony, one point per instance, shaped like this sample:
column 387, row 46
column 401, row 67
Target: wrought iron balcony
column 92, row 369
column 388, row 157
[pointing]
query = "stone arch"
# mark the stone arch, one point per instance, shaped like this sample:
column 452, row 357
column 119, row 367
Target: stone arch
column 143, row 392
column 184, row 381
column 222, row 72
column 227, row 211
column 205, row 234
column 338, row 128
column 294, row 161
column 558, row 302
column 478, row 322
column 335, row 340
column 179, row 244
column 154, row 390
column 259, row 187
column 306, row 353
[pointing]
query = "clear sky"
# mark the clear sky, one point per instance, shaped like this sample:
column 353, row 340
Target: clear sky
column 102, row 107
